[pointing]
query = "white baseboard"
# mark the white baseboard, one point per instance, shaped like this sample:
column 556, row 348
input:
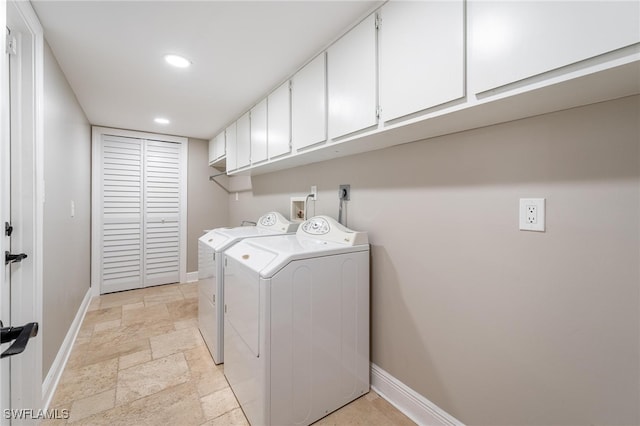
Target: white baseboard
column 192, row 277
column 53, row 376
column 409, row 402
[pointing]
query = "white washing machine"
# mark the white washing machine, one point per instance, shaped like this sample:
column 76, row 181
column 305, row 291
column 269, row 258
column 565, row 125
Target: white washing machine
column 296, row 329
column 211, row 247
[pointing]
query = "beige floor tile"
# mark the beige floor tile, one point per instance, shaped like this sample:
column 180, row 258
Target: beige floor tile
column 91, row 405
column 121, row 298
column 208, row 377
column 111, row 351
column 134, row 359
column 107, row 325
column 133, row 331
column 86, row 381
column 94, row 304
column 58, row 416
column 218, row 403
column 186, row 323
column 146, row 315
column 190, row 290
column 164, row 295
column 178, row 405
column 232, row 418
column 101, row 315
column 151, row 377
column 177, row 341
column 130, row 306
column 160, row 369
column 183, row 309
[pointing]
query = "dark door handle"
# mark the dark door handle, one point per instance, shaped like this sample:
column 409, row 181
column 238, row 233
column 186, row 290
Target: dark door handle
column 13, row 258
column 21, row 335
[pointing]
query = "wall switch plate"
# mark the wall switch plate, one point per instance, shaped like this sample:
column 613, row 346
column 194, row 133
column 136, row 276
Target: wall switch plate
column 532, row 214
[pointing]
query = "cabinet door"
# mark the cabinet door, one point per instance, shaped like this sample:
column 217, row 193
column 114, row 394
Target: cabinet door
column 212, row 150
column 511, row 41
column 421, row 56
column 232, row 163
column 279, row 121
column 220, row 148
column 309, row 104
column 259, row 132
column 352, row 80
column 243, row 141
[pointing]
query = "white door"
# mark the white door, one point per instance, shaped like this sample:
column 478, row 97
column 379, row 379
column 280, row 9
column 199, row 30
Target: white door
column 5, row 290
column 162, row 170
column 140, row 214
column 20, row 376
column 122, row 208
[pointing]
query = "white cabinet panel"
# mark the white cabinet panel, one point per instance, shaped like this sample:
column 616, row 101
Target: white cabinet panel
column 421, row 56
column 352, row 80
column 212, row 150
column 232, row 163
column 216, row 148
column 243, row 141
column 259, row 132
column 510, row 41
column 309, row 104
column 279, row 121
column 220, row 147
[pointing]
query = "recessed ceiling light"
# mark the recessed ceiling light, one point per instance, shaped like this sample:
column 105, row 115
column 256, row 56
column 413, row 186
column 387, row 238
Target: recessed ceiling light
column 160, row 120
column 177, row 61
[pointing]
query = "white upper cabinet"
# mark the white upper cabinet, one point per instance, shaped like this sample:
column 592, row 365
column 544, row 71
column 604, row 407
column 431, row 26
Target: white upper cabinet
column 259, row 132
column 309, row 104
column 212, row 150
column 513, row 40
column 232, row 164
column 217, row 148
column 421, row 55
column 279, row 121
column 220, row 145
column 243, row 141
column 352, row 80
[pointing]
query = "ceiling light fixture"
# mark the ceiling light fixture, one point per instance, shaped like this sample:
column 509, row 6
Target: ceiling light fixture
column 160, row 120
column 177, row 61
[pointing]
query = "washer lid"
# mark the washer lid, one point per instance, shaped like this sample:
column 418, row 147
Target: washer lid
column 268, row 255
column 272, row 223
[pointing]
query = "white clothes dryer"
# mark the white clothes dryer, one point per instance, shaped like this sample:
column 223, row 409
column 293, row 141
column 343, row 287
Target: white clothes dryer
column 211, row 247
column 296, row 330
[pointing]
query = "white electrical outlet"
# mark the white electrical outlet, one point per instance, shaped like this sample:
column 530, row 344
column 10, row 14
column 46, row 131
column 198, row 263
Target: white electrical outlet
column 532, row 214
column 314, row 191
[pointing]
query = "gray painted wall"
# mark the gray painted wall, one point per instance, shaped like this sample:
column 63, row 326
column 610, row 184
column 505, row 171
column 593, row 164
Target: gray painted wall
column 67, row 175
column 207, row 202
column 495, row 325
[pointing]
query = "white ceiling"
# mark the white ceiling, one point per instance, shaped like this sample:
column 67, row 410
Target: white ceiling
column 112, row 55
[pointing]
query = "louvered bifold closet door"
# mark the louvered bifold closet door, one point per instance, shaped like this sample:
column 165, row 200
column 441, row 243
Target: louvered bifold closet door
column 162, row 212
column 122, row 185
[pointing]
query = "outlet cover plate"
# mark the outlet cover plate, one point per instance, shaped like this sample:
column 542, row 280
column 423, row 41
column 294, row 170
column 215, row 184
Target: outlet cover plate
column 532, row 214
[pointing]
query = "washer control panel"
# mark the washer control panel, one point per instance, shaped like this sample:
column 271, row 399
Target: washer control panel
column 316, row 226
column 276, row 222
column 326, row 228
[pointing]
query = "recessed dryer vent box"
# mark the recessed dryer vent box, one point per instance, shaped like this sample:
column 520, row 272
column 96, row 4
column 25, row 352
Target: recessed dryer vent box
column 297, row 209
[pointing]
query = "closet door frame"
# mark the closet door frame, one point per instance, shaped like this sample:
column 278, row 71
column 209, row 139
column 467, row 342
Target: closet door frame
column 96, row 197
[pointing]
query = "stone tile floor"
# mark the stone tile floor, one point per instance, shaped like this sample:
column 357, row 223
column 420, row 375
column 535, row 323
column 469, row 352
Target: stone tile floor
column 139, row 359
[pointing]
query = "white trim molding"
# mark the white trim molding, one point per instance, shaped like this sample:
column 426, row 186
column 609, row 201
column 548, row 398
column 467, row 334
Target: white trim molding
column 192, row 277
column 55, row 372
column 409, row 402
